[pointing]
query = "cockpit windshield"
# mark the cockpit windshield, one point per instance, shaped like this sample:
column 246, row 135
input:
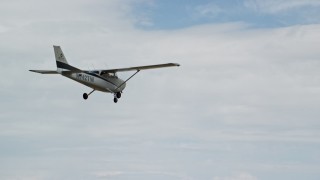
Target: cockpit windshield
column 94, row 72
column 109, row 74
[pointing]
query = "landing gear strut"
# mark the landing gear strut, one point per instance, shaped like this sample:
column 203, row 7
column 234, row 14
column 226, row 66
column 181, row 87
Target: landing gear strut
column 117, row 95
column 85, row 95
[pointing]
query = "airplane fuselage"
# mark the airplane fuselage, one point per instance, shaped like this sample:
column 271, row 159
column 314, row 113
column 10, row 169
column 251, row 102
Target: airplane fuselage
column 105, row 83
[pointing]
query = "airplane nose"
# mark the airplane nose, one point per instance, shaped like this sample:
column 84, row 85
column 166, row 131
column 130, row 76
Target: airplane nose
column 123, row 85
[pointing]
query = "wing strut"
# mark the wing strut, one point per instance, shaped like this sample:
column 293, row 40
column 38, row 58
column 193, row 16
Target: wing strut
column 128, row 79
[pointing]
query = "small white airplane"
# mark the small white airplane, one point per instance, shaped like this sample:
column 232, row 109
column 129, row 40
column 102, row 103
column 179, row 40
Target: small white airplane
column 101, row 80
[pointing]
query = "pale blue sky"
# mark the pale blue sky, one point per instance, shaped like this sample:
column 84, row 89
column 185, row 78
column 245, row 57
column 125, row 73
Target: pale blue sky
column 174, row 14
column 243, row 105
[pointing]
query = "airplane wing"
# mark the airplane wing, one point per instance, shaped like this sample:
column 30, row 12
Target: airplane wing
column 44, row 71
column 138, row 68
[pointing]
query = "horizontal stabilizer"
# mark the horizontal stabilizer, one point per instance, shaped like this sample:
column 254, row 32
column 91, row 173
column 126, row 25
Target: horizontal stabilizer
column 44, row 71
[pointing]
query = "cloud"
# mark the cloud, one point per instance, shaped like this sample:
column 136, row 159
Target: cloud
column 108, row 174
column 242, row 97
column 63, row 15
column 207, row 10
column 144, row 174
column 239, row 176
column 279, row 6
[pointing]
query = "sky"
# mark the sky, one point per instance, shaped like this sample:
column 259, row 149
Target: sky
column 243, row 105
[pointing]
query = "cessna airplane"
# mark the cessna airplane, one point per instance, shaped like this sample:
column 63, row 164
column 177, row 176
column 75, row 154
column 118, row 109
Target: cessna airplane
column 101, row 80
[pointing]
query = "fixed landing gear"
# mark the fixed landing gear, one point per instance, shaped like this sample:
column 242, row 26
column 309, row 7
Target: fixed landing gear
column 85, row 95
column 116, row 97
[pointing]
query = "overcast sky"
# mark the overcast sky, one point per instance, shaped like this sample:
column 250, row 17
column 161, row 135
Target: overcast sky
column 243, row 105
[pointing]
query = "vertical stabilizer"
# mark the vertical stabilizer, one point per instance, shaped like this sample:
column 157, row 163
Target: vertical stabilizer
column 59, row 55
column 62, row 63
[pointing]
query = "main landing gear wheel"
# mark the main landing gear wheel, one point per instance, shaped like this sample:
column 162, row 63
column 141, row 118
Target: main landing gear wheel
column 115, row 100
column 85, row 96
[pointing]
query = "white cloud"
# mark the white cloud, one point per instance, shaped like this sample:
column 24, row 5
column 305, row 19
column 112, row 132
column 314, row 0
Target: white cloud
column 241, row 97
column 279, row 6
column 142, row 174
column 239, row 176
column 108, row 174
column 207, row 10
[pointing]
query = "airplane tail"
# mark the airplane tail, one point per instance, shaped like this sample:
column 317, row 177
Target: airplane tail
column 62, row 63
column 60, row 58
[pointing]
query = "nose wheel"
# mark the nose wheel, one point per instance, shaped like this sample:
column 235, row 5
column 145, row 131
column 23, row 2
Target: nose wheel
column 116, row 97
